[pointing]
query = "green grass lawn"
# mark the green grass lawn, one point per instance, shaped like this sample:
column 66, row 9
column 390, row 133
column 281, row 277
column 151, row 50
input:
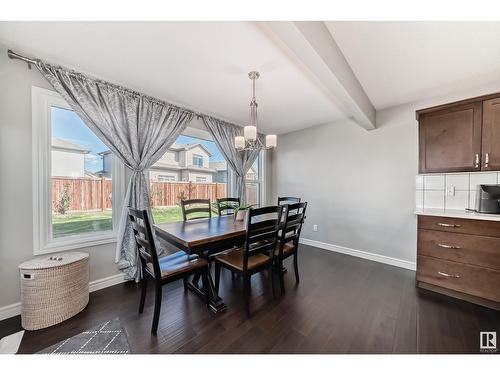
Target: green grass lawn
column 81, row 222
column 85, row 222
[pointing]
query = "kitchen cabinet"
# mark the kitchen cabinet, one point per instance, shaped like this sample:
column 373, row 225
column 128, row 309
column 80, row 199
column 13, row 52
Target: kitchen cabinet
column 460, row 137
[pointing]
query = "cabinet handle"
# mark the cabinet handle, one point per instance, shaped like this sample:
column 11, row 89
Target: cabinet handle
column 486, row 160
column 448, row 275
column 448, row 246
column 446, row 225
column 476, row 161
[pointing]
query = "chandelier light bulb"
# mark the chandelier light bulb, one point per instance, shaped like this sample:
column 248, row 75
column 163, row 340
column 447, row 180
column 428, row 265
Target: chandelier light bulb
column 250, row 132
column 239, row 142
column 271, row 140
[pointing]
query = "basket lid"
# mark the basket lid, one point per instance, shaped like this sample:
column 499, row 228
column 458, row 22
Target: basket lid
column 53, row 260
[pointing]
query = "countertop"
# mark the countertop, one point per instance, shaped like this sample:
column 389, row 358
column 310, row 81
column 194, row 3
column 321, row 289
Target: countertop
column 462, row 214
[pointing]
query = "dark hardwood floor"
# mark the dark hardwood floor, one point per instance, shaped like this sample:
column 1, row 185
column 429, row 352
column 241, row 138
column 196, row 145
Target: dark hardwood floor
column 342, row 305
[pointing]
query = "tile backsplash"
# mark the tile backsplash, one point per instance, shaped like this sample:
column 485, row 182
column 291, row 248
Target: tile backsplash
column 451, row 190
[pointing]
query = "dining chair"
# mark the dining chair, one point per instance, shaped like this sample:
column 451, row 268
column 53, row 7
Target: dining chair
column 224, row 208
column 288, row 200
column 288, row 240
column 256, row 254
column 195, row 206
column 162, row 270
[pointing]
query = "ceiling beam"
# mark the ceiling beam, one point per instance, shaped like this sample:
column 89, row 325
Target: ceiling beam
column 314, row 48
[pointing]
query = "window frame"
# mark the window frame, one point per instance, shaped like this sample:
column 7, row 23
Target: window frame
column 43, row 243
column 260, row 181
column 200, row 157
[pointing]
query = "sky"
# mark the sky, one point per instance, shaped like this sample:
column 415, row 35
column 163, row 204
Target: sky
column 68, row 126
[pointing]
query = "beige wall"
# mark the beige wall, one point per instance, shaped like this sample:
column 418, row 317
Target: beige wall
column 199, row 151
column 16, row 224
column 169, row 157
column 153, row 174
column 67, row 164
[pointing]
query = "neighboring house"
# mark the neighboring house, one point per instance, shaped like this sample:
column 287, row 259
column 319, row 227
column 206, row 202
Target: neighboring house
column 107, row 164
column 221, row 171
column 221, row 168
column 179, row 163
column 68, row 159
column 183, row 163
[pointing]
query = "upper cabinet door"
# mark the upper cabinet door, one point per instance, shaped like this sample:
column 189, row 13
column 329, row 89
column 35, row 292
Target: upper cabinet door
column 491, row 135
column 450, row 139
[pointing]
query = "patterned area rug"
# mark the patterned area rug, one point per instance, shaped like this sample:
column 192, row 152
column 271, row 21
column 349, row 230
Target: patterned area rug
column 107, row 338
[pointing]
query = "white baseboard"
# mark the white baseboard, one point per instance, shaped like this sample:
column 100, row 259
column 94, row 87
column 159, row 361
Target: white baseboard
column 10, row 310
column 15, row 309
column 106, row 282
column 361, row 254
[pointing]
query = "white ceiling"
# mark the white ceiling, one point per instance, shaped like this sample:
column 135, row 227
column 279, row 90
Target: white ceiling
column 201, row 65
column 401, row 62
column 204, row 65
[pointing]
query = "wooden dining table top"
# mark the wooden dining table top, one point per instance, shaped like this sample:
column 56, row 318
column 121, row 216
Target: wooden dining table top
column 201, row 231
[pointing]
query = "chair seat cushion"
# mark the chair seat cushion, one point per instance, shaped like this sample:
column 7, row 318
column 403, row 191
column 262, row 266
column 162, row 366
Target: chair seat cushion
column 178, row 263
column 287, row 249
column 235, row 259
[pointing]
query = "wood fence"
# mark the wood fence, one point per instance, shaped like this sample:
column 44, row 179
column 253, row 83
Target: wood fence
column 89, row 194
column 170, row 193
column 85, row 194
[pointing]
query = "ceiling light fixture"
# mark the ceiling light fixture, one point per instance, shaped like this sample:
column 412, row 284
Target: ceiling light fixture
column 250, row 141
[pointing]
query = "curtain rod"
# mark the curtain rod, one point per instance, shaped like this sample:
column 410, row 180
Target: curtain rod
column 29, row 61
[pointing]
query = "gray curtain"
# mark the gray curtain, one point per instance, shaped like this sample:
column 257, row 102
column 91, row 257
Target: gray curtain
column 240, row 161
column 138, row 130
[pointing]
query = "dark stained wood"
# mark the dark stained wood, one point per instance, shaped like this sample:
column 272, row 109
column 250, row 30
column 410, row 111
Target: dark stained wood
column 200, row 232
column 457, row 225
column 164, row 270
column 491, row 135
column 288, row 241
column 196, row 206
column 461, row 255
column 256, row 255
column 463, row 248
column 450, row 139
column 224, row 205
column 287, row 200
column 342, row 305
column 467, row 101
column 477, row 281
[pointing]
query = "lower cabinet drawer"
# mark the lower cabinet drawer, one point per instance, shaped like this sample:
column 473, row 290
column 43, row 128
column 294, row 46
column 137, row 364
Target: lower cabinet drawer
column 469, row 279
column 462, row 248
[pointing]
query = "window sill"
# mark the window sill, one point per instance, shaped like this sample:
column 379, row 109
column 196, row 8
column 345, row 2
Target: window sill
column 75, row 243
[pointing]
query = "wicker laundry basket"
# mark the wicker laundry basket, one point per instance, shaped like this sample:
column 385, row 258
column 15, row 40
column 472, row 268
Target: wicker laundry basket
column 53, row 288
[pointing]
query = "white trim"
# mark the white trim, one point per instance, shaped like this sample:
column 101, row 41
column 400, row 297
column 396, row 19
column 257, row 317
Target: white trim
column 43, row 243
column 106, row 282
column 9, row 311
column 15, row 309
column 361, row 254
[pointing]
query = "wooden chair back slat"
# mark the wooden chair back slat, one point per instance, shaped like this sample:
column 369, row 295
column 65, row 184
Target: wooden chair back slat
column 145, row 241
column 194, row 206
column 294, row 216
column 288, row 200
column 262, row 231
column 222, row 207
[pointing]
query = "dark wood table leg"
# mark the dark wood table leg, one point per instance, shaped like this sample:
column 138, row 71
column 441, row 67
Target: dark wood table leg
column 216, row 304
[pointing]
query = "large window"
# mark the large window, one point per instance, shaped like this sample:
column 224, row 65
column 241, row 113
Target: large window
column 78, row 183
column 254, row 182
column 187, row 160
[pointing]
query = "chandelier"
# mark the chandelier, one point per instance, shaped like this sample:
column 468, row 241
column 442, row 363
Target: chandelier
column 250, row 141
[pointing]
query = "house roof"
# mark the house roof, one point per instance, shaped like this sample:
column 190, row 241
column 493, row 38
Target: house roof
column 65, row 145
column 178, row 147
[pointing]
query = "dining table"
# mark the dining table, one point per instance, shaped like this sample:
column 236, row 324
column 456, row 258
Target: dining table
column 204, row 237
